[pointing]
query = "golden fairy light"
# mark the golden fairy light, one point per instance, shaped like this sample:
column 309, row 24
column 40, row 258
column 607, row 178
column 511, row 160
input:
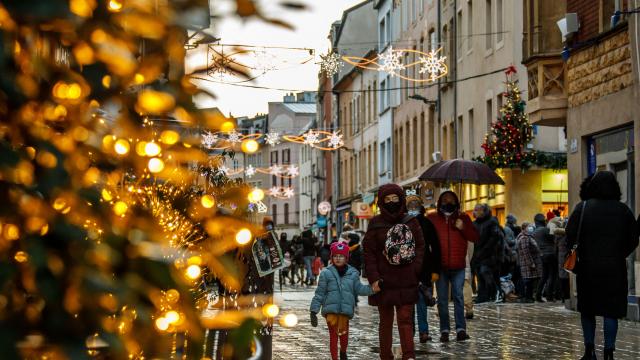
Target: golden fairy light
column 122, row 146
column 156, row 165
column 152, row 149
column 193, row 272
column 256, row 195
column 250, row 146
column 243, row 236
column 207, row 201
column 270, row 310
column 120, row 208
column 289, row 320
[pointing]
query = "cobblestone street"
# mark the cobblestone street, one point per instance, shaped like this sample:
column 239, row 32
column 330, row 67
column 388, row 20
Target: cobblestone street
column 510, row 331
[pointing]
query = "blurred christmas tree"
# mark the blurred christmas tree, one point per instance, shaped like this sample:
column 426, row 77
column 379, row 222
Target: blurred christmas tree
column 109, row 244
column 507, row 143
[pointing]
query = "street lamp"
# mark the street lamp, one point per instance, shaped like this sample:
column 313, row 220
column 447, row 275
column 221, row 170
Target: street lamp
column 424, row 100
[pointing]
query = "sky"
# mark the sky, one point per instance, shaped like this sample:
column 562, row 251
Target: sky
column 311, row 30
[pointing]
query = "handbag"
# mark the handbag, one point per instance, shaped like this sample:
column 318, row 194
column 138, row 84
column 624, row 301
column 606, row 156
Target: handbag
column 571, row 260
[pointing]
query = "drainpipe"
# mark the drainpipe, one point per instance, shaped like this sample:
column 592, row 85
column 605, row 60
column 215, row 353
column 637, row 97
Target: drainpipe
column 439, row 128
column 454, row 51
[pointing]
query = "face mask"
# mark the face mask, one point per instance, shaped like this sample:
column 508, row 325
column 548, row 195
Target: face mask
column 448, row 209
column 530, row 229
column 392, row 207
column 414, row 212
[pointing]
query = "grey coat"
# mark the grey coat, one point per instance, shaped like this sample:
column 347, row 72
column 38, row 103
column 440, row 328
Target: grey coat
column 336, row 294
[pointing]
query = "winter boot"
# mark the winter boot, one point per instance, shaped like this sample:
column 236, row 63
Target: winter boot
column 589, row 353
column 343, row 356
column 462, row 336
column 608, row 354
column 424, row 337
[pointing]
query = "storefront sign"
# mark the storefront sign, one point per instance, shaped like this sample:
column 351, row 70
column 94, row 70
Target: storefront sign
column 267, row 254
column 573, row 146
column 363, row 210
column 324, row 208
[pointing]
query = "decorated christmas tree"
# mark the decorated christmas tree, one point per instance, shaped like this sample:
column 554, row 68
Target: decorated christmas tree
column 507, row 143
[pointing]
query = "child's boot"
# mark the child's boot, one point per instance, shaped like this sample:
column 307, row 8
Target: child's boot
column 343, row 356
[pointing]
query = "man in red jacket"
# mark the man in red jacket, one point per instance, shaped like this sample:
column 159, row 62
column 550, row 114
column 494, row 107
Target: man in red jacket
column 454, row 229
column 399, row 282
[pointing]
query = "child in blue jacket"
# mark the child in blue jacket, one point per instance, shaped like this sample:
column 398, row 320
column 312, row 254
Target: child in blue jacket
column 338, row 287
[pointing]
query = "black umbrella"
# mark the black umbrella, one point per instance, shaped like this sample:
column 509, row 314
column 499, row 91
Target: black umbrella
column 460, row 171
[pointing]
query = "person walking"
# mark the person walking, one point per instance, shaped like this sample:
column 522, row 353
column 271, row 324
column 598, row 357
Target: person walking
column 353, row 240
column 529, row 261
column 338, row 288
column 309, row 254
column 454, row 229
column 557, row 229
column 546, row 243
column 605, row 233
column 392, row 245
column 486, row 252
column 430, row 266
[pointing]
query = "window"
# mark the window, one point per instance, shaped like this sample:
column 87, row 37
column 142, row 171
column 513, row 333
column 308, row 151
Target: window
column 445, row 145
column 274, row 180
column 489, row 20
column 274, row 157
column 469, row 25
column 383, row 154
column 375, row 99
column 433, row 40
column 607, row 8
column 407, row 147
column 459, row 135
column 424, row 137
column 414, row 70
column 499, row 104
column 383, row 95
column 416, row 154
column 286, row 213
column 274, row 214
column 396, row 151
column 499, row 20
column 382, row 33
column 472, row 142
column 388, row 28
column 387, row 94
column 389, row 154
column 289, row 182
column 489, row 110
column 414, row 10
column 458, row 35
column 431, row 135
column 286, row 156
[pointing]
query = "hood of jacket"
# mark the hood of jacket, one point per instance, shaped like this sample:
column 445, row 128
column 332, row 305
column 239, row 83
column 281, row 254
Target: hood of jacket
column 540, row 220
column 390, row 189
column 440, row 201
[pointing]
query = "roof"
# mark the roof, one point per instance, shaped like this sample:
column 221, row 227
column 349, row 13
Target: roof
column 344, row 17
column 301, row 108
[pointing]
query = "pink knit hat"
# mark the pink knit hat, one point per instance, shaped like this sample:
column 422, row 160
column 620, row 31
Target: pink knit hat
column 340, row 248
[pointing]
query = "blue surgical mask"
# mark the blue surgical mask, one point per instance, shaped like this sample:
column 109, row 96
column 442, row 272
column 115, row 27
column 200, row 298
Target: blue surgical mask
column 413, row 212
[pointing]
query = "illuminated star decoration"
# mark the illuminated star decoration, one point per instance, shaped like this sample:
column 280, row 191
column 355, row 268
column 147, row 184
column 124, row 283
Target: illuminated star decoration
column 209, row 139
column 289, row 193
column 330, row 63
column 262, row 208
column 433, row 65
column 250, row 171
column 273, row 138
column 391, row 61
column 311, row 137
column 335, row 141
column 275, row 169
column 234, row 137
column 293, row 171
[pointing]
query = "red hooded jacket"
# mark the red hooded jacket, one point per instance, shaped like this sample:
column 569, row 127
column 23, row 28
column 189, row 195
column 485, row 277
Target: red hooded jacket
column 453, row 242
column 400, row 282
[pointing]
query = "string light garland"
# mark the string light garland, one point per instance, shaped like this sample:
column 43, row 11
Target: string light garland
column 507, row 144
column 332, row 140
column 280, row 171
column 390, row 61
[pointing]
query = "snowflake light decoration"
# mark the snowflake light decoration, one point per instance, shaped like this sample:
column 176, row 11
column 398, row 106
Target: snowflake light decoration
column 292, row 171
column 335, row 141
column 209, row 139
column 273, row 138
column 234, row 137
column 275, row 169
column 250, row 171
column 433, row 65
column 311, row 138
column 289, row 193
column 224, row 170
column 330, row 63
column 274, row 191
column 264, row 62
column 391, row 61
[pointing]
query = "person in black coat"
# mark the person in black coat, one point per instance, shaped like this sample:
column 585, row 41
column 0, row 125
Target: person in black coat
column 486, row 252
column 309, row 252
column 431, row 265
column 608, row 234
column 546, row 243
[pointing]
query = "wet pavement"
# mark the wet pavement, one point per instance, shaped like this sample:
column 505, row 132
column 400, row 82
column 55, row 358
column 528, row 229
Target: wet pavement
column 505, row 331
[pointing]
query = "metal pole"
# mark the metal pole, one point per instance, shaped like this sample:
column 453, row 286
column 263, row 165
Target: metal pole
column 439, row 128
column 454, row 60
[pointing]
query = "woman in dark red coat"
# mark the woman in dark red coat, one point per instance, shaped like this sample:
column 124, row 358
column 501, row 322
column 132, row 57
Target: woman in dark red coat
column 399, row 283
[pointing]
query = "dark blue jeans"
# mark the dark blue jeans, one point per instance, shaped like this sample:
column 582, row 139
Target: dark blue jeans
column 455, row 280
column 589, row 331
column 422, row 314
